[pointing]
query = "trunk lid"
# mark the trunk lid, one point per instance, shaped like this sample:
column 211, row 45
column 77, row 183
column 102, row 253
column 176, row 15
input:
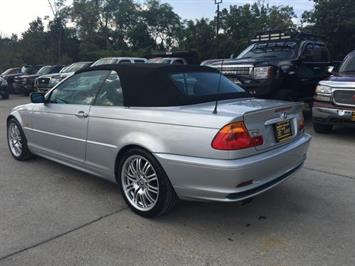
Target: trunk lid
column 260, row 117
column 278, row 124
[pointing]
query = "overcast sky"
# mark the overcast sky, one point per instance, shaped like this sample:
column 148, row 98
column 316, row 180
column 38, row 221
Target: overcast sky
column 16, row 14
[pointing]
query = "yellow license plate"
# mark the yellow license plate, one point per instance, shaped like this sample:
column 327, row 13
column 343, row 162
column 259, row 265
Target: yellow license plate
column 283, row 131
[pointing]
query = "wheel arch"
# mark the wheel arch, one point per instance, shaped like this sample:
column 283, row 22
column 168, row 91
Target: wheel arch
column 16, row 116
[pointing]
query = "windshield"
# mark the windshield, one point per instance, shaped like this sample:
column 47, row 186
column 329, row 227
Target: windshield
column 159, row 61
column 105, row 61
column 74, row 67
column 279, row 50
column 349, row 64
column 29, row 69
column 45, row 70
column 10, row 71
column 197, row 84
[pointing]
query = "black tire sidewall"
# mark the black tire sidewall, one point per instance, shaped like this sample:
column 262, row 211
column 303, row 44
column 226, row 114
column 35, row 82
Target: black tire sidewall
column 166, row 192
column 322, row 128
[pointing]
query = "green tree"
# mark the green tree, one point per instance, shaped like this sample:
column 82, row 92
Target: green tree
column 164, row 25
column 334, row 20
column 199, row 35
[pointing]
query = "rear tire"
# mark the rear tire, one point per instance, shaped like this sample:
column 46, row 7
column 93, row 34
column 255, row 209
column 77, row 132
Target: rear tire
column 144, row 184
column 322, row 128
column 17, row 141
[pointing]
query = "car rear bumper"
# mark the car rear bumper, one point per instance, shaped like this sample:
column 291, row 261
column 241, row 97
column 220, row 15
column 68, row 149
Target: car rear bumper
column 327, row 113
column 233, row 180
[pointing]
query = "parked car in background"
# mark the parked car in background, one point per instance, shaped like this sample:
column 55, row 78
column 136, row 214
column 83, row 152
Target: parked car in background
column 156, row 131
column 9, row 75
column 4, row 89
column 334, row 102
column 44, row 83
column 119, row 60
column 279, row 65
column 11, row 71
column 175, row 58
column 24, row 84
column 168, row 61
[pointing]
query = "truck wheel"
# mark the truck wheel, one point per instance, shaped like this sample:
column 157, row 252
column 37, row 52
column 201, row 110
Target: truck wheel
column 285, row 95
column 322, row 128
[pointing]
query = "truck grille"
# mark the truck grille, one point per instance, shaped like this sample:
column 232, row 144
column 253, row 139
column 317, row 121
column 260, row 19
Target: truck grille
column 344, row 97
column 243, row 71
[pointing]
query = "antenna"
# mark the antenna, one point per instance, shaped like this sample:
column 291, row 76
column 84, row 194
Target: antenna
column 218, row 88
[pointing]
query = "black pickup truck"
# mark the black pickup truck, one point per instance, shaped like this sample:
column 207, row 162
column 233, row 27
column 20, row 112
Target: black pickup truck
column 279, row 65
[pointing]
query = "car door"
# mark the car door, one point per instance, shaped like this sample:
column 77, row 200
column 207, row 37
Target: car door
column 105, row 128
column 313, row 67
column 59, row 127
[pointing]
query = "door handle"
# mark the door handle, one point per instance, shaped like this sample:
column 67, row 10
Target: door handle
column 81, row 114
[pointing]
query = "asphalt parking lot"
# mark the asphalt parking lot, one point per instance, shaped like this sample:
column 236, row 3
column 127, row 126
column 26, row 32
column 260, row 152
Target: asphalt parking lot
column 51, row 214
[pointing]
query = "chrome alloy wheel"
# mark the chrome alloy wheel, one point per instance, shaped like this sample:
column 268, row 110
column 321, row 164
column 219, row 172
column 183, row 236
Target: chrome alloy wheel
column 15, row 140
column 140, row 183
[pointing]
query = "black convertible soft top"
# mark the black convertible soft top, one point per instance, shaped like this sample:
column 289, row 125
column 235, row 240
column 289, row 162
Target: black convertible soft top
column 150, row 85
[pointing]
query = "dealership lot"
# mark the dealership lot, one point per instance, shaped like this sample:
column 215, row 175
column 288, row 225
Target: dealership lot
column 51, row 214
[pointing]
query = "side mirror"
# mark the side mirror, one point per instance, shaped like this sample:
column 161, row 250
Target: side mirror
column 37, row 97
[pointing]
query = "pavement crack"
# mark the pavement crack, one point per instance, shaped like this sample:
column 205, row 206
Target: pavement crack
column 329, row 173
column 62, row 234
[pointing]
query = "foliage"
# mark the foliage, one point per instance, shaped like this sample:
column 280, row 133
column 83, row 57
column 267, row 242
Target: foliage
column 334, row 20
column 90, row 29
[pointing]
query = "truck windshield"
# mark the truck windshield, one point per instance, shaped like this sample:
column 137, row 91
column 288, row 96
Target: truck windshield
column 348, row 65
column 45, row 70
column 279, row 50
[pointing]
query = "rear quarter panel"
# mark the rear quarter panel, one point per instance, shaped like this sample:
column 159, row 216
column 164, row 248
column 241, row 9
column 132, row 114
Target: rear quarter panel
column 166, row 132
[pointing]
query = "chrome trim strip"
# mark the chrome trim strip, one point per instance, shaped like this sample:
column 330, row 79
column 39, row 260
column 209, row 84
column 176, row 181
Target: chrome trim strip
column 54, row 134
column 279, row 119
column 102, row 144
column 72, row 138
column 338, row 84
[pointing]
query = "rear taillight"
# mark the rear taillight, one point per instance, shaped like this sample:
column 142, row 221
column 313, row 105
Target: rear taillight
column 235, row 136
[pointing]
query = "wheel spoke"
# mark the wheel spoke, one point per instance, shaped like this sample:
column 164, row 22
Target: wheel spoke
column 149, row 197
column 131, row 168
column 135, row 196
column 146, row 167
column 130, row 187
column 151, row 178
column 152, row 189
column 138, row 165
column 145, row 205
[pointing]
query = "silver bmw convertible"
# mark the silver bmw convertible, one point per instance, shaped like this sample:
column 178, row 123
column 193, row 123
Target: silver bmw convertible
column 163, row 133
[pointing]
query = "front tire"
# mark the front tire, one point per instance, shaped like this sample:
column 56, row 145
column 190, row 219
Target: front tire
column 144, row 184
column 17, row 141
column 322, row 128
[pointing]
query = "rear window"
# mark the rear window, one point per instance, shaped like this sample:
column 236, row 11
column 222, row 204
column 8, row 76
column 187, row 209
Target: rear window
column 199, row 84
